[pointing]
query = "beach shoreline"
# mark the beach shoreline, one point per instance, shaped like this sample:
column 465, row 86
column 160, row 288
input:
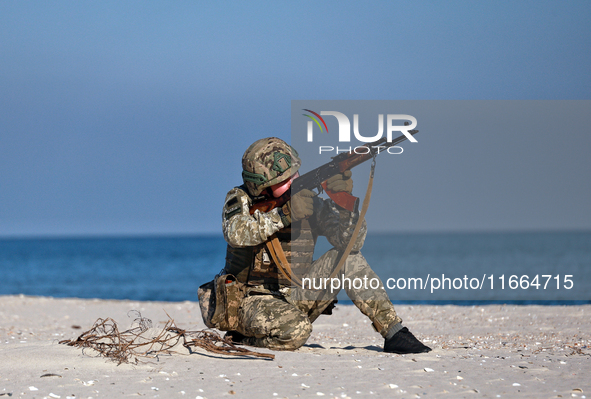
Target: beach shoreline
column 489, row 351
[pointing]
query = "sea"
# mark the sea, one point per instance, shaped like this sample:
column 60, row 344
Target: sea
column 458, row 268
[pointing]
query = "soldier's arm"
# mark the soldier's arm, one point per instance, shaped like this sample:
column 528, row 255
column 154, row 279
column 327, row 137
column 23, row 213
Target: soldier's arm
column 241, row 229
column 337, row 225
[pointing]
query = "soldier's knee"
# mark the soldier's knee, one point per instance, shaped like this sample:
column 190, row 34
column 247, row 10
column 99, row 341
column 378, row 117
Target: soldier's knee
column 293, row 335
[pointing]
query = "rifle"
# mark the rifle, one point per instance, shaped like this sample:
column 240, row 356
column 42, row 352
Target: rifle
column 316, row 178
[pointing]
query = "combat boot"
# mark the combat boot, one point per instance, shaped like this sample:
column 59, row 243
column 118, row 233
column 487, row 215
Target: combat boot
column 404, row 342
column 235, row 337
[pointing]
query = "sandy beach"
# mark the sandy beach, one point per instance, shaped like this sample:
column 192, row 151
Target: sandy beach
column 488, row 351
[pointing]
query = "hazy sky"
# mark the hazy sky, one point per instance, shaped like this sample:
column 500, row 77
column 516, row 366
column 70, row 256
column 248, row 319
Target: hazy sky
column 132, row 117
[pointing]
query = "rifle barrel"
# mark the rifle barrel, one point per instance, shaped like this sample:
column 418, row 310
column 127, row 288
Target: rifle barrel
column 315, row 177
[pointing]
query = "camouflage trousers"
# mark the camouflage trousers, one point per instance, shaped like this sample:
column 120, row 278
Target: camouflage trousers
column 285, row 322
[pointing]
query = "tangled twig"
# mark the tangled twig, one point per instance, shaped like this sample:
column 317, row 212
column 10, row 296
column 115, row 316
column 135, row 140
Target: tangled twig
column 105, row 338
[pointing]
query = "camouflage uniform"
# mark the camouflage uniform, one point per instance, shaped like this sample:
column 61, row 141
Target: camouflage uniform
column 273, row 314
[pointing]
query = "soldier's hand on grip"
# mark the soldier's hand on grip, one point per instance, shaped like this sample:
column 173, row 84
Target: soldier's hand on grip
column 341, row 182
column 302, row 204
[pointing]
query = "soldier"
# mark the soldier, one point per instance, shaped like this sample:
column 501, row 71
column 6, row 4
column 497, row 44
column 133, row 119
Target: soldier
column 273, row 313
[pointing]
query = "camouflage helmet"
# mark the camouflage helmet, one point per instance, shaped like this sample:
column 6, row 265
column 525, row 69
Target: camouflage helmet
column 267, row 162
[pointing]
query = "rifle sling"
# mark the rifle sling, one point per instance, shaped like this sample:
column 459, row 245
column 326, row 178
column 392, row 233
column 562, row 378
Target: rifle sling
column 274, row 247
column 347, row 251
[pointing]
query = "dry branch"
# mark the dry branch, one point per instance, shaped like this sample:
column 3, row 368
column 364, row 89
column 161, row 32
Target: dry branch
column 121, row 347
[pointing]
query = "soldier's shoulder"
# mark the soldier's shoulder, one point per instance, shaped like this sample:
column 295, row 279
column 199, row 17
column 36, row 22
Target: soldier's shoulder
column 237, row 193
column 235, row 199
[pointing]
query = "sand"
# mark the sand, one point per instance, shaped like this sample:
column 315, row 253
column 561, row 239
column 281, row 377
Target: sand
column 481, row 351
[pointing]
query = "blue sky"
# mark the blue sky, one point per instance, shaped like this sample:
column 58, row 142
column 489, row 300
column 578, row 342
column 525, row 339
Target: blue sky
column 131, row 117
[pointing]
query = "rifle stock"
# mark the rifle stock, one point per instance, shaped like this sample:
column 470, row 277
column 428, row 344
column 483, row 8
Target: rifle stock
column 267, row 204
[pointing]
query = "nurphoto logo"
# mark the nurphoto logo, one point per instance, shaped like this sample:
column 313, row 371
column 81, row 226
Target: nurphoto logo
column 345, row 130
